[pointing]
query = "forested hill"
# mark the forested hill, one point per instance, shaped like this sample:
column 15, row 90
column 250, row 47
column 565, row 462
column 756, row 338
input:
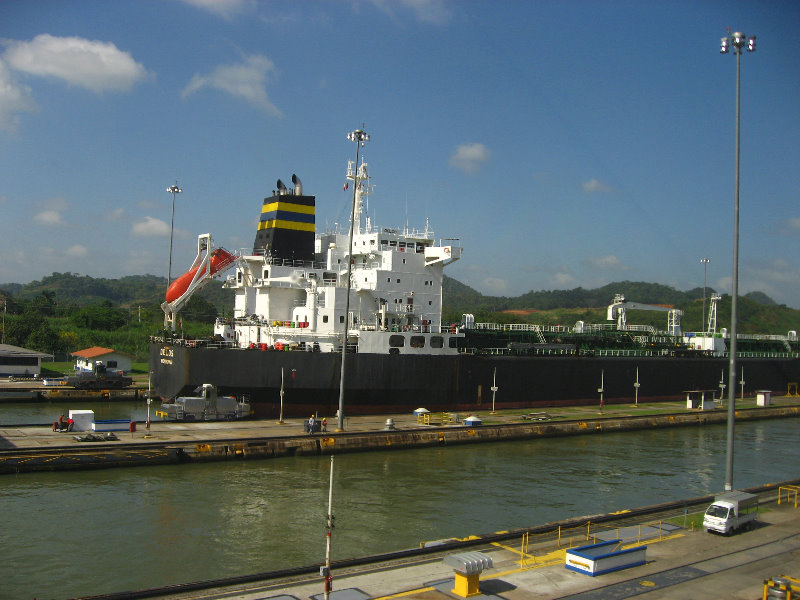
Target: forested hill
column 130, row 291
column 459, row 295
column 758, row 313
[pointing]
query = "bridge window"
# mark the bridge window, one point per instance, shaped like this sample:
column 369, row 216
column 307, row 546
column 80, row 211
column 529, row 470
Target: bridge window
column 437, row 341
column 417, row 341
column 397, row 341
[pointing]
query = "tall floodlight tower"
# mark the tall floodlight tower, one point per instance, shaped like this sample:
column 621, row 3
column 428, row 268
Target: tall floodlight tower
column 739, row 41
column 173, row 189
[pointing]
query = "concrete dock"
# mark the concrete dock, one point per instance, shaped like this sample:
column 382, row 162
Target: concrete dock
column 37, row 448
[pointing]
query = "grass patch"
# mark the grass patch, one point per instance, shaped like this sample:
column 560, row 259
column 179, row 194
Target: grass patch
column 691, row 521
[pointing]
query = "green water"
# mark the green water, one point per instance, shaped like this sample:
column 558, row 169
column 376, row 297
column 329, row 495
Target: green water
column 44, row 413
column 85, row 533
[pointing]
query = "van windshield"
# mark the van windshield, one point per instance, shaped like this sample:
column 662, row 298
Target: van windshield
column 720, row 512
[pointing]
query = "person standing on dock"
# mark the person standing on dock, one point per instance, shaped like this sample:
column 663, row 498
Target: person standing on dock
column 311, row 425
column 324, row 425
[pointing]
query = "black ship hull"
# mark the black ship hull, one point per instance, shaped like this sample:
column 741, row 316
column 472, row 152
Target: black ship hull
column 385, row 383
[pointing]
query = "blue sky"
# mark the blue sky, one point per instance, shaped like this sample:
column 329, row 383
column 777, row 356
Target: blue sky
column 566, row 144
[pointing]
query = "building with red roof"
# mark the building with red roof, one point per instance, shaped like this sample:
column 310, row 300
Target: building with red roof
column 113, row 360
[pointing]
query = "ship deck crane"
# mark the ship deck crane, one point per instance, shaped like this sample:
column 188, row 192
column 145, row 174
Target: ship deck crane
column 616, row 312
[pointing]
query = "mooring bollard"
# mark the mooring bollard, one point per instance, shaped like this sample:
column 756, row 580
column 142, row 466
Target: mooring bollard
column 468, row 567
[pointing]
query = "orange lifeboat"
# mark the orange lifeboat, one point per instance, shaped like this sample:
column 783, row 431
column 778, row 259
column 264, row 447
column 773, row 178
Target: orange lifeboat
column 220, row 258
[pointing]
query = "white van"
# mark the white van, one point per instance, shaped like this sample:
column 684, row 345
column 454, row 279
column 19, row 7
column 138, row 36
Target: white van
column 731, row 511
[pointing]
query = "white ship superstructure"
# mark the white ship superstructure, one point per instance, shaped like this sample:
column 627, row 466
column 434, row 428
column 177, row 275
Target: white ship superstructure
column 285, row 303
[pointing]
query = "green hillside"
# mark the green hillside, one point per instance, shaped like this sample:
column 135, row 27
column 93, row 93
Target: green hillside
column 65, row 312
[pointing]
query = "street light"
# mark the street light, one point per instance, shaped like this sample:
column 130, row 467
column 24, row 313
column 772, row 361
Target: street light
column 738, row 40
column 173, row 189
column 360, row 137
column 705, row 262
column 149, row 401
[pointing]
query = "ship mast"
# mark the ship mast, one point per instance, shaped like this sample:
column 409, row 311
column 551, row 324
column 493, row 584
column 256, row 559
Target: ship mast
column 360, row 137
column 361, row 187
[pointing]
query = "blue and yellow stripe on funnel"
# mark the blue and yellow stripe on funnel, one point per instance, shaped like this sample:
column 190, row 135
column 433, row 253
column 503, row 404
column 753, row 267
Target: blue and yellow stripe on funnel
column 295, row 215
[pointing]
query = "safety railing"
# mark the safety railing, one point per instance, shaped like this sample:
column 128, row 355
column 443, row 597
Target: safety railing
column 538, row 549
column 791, row 491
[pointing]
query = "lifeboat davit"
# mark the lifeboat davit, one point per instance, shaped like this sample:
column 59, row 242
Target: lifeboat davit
column 220, row 258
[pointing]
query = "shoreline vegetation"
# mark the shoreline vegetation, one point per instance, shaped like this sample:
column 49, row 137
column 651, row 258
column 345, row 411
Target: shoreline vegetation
column 65, row 312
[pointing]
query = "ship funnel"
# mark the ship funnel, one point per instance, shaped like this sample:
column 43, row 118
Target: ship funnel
column 281, row 188
column 298, row 185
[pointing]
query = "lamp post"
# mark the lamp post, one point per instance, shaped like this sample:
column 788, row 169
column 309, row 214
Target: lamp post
column 360, row 137
column 149, row 401
column 173, row 189
column 738, row 40
column 705, row 262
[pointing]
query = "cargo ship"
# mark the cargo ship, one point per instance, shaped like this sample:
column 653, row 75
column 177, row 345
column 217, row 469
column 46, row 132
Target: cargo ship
column 282, row 348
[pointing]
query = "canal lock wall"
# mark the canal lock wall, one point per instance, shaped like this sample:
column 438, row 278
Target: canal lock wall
column 172, row 452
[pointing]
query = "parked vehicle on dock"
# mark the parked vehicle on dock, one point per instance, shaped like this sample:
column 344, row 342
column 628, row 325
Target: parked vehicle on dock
column 730, row 512
column 100, row 378
column 207, row 405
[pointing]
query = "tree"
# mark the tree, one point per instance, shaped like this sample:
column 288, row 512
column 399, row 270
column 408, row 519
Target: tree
column 199, row 309
column 44, row 304
column 103, row 316
column 19, row 328
column 44, row 339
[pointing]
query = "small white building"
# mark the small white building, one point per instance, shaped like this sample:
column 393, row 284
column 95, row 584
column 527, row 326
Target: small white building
column 113, row 360
column 20, row 361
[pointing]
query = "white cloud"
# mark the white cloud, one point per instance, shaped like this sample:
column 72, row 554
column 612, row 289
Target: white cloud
column 595, row 185
column 143, row 261
column 793, row 224
column 48, row 218
column 14, row 98
column 223, row 8
column 115, row 215
column 56, row 204
column 495, row 286
column 429, row 11
column 50, row 213
column 95, row 65
column 150, row 227
column 246, row 80
column 434, row 12
column 470, row 157
column 609, row 263
column 77, row 251
column 563, row 280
